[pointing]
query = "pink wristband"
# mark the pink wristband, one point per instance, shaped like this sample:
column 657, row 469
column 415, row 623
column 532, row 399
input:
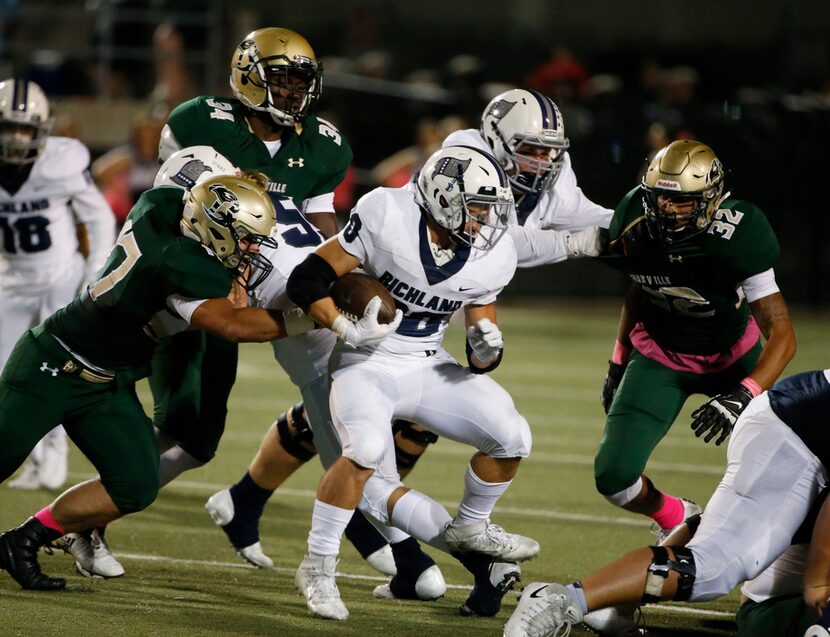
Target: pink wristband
column 753, row 387
column 621, row 354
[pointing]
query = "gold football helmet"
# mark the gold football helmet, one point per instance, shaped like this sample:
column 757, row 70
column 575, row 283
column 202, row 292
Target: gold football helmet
column 683, row 188
column 275, row 70
column 233, row 217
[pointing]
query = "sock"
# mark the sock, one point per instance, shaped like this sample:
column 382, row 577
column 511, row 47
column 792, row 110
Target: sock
column 363, row 535
column 411, row 561
column 248, row 503
column 422, row 518
column 327, row 525
column 579, row 595
column 174, row 462
column 479, row 498
column 670, row 514
column 44, row 516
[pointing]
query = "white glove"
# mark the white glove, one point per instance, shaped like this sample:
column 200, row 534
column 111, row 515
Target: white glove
column 485, row 340
column 296, row 321
column 585, row 243
column 367, row 331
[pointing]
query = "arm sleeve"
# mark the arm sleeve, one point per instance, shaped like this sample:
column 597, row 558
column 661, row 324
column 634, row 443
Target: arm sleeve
column 320, row 203
column 536, row 247
column 183, row 306
column 760, row 285
column 92, row 210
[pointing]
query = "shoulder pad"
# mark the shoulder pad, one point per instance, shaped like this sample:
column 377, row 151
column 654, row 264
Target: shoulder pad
column 468, row 137
column 63, row 158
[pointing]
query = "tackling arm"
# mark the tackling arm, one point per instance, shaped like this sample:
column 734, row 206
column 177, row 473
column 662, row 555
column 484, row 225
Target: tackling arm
column 238, row 325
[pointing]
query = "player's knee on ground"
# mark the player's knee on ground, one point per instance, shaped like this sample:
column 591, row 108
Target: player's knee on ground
column 294, row 433
column 664, row 561
column 133, row 495
column 785, row 616
column 376, row 496
column 411, row 441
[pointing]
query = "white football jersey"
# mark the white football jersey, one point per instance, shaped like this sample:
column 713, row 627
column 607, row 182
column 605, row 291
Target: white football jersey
column 304, row 357
column 37, row 223
column 387, row 233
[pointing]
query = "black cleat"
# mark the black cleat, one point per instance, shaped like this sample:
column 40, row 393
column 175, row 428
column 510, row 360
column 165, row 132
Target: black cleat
column 492, row 581
column 18, row 555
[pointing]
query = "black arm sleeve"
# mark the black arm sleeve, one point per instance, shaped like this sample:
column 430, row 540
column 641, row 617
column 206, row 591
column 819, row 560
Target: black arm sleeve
column 482, row 370
column 310, row 281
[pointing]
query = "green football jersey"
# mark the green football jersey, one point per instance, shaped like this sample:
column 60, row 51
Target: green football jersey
column 151, row 261
column 310, row 162
column 693, row 300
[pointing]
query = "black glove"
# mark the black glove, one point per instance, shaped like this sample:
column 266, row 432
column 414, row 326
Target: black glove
column 720, row 414
column 612, row 381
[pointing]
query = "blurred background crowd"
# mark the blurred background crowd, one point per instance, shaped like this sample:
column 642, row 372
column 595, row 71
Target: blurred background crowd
column 750, row 79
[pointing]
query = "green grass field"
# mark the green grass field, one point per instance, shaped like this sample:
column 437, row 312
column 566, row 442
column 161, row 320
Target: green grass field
column 184, row 579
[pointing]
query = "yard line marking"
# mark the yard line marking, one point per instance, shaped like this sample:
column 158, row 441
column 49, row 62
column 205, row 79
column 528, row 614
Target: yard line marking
column 702, row 612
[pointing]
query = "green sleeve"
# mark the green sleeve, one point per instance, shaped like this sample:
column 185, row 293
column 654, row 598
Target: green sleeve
column 190, row 123
column 756, row 248
column 191, row 272
column 623, row 213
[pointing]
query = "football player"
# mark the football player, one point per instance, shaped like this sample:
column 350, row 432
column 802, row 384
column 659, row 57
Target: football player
column 777, row 467
column 267, row 127
column 437, row 248
column 176, row 260
column 703, row 292
column 45, row 192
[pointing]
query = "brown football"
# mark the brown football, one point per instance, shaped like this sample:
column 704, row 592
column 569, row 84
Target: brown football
column 353, row 291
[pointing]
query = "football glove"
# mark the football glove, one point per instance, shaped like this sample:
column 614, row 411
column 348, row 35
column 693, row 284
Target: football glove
column 585, row 243
column 367, row 330
column 485, row 340
column 611, row 382
column 719, row 414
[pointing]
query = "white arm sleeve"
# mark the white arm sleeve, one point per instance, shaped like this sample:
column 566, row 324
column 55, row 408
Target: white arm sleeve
column 759, row 285
column 167, row 144
column 536, row 247
column 320, row 203
column 184, row 306
column 91, row 209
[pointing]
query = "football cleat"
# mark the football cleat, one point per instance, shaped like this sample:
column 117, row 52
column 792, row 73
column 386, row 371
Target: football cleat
column 383, row 561
column 689, row 509
column 617, row 621
column 544, row 610
column 93, row 557
column 315, row 580
column 221, row 509
column 489, row 589
column 18, row 556
column 29, row 478
column 52, row 469
column 490, row 539
column 429, row 586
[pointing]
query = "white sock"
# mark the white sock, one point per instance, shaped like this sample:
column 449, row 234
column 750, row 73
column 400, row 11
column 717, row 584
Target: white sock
column 173, row 463
column 479, row 498
column 423, row 518
column 328, row 523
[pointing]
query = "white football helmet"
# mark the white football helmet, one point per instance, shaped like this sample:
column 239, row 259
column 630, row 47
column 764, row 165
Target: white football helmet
column 233, row 216
column 188, row 166
column 466, row 192
column 518, row 117
column 24, row 121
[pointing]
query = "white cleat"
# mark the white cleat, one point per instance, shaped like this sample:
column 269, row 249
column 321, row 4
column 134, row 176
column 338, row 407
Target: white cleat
column 315, row 580
column 29, row 478
column 617, row 621
column 544, row 610
column 93, row 557
column 53, row 466
column 221, row 510
column 689, row 509
column 382, row 560
column 490, row 539
column 429, row 586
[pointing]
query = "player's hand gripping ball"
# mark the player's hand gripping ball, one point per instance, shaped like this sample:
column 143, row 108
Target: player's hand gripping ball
column 353, row 291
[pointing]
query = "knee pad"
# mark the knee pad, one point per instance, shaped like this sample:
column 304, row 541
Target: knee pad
column 375, row 496
column 295, row 433
column 404, row 459
column 658, row 571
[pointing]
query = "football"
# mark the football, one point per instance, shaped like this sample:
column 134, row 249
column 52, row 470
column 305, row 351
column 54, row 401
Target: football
column 353, row 291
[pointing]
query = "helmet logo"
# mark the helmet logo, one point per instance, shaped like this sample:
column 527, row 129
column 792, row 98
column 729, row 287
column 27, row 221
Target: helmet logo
column 500, row 109
column 451, row 167
column 668, row 185
column 225, row 205
column 715, row 172
column 190, row 172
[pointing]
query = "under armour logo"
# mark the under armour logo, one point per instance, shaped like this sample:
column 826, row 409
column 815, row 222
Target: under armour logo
column 676, row 257
column 45, row 368
column 296, row 162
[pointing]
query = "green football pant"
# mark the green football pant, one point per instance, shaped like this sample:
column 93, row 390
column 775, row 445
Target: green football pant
column 192, row 377
column 647, row 401
column 105, row 420
column 785, row 616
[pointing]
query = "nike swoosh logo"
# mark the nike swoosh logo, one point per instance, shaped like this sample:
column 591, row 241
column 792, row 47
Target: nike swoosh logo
column 535, row 594
column 462, row 289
